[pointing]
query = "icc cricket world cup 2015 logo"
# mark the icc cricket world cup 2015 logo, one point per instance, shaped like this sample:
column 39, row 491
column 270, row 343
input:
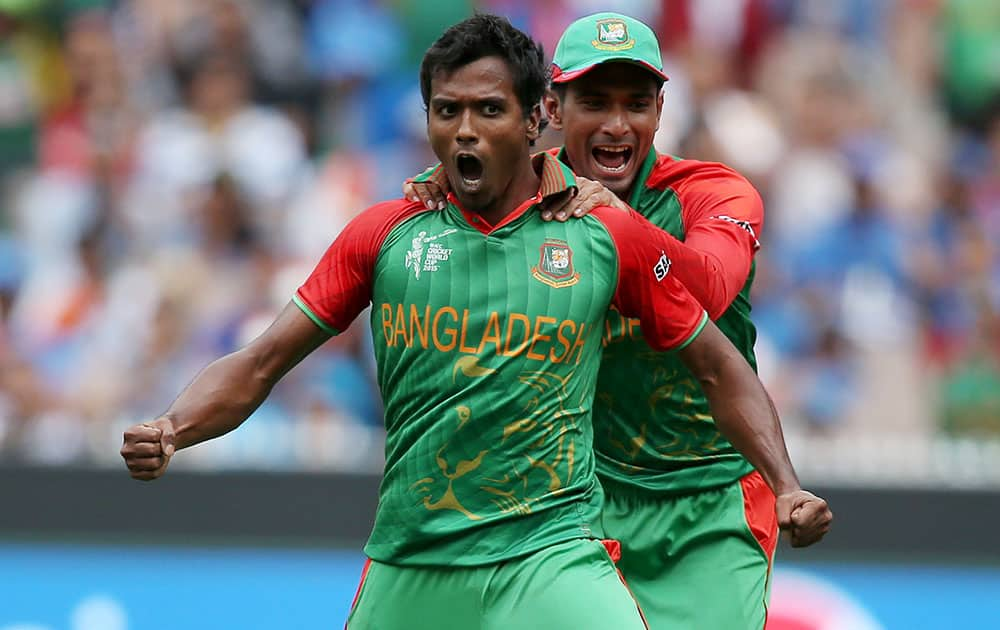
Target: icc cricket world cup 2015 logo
column 555, row 264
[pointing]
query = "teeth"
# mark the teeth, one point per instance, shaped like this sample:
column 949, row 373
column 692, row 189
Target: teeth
column 617, row 149
column 617, row 169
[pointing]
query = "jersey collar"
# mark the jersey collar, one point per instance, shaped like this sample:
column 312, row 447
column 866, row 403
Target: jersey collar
column 640, row 178
column 556, row 179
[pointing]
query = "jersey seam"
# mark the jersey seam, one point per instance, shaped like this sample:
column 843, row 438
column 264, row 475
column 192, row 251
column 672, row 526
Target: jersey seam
column 327, row 328
column 696, row 332
column 617, row 260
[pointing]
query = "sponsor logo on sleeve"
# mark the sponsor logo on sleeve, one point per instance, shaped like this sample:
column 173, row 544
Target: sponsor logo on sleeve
column 662, row 267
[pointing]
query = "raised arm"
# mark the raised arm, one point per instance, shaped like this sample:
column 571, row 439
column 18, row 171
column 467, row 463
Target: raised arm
column 222, row 395
column 225, row 393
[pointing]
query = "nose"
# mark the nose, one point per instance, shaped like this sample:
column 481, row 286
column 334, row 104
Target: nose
column 616, row 123
column 466, row 133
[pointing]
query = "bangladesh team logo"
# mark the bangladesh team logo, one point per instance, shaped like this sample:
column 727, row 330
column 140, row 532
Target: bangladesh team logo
column 555, row 264
column 612, row 34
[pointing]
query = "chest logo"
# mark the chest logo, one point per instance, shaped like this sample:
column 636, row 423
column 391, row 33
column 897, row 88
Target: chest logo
column 426, row 253
column 555, row 264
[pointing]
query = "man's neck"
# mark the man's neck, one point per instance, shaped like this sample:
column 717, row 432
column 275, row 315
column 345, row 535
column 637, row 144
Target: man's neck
column 523, row 185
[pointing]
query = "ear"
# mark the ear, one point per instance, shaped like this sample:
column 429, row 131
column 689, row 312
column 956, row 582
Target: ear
column 659, row 108
column 534, row 123
column 553, row 109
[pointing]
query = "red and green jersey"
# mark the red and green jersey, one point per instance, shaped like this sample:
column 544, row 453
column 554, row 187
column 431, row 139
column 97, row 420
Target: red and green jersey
column 488, row 342
column 653, row 426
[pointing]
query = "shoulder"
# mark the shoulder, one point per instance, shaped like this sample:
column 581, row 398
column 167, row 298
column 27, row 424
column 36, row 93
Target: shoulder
column 370, row 230
column 677, row 173
column 619, row 224
column 387, row 215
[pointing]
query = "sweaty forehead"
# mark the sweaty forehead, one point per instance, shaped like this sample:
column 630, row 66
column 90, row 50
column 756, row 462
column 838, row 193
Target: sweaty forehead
column 486, row 74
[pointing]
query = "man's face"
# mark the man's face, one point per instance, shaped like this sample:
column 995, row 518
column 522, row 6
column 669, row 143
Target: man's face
column 608, row 117
column 478, row 130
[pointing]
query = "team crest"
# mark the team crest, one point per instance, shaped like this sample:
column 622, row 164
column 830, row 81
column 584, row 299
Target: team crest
column 555, row 264
column 612, row 34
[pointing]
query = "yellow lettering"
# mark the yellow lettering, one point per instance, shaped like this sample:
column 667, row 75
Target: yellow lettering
column 421, row 333
column 538, row 336
column 615, row 327
column 633, row 325
column 465, row 329
column 493, row 324
column 400, row 327
column 562, row 340
column 578, row 345
column 450, row 333
column 390, row 339
column 526, row 323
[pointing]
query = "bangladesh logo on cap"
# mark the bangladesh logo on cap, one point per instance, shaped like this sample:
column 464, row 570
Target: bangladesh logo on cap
column 555, row 264
column 612, row 34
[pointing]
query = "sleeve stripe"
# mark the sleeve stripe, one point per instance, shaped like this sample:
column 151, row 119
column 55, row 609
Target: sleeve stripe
column 697, row 331
column 316, row 320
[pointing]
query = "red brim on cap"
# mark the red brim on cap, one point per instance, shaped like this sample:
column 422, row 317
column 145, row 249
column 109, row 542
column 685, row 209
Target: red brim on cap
column 558, row 76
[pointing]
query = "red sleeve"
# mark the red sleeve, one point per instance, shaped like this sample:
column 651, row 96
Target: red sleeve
column 340, row 286
column 722, row 214
column 647, row 287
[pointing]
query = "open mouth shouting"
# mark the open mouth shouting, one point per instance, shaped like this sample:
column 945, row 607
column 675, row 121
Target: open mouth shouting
column 470, row 171
column 612, row 160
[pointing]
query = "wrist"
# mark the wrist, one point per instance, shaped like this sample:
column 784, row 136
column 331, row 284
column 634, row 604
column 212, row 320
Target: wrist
column 785, row 485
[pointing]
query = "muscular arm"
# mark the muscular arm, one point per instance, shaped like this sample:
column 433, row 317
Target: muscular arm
column 226, row 392
column 741, row 407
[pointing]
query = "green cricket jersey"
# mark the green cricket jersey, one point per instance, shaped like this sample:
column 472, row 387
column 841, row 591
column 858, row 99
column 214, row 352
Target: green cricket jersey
column 654, row 429
column 488, row 342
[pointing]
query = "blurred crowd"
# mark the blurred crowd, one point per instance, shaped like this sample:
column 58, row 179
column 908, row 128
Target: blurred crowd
column 170, row 172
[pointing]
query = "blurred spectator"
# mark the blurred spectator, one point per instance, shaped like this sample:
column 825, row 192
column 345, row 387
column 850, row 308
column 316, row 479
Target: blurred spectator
column 220, row 131
column 970, row 79
column 91, row 136
column 970, row 397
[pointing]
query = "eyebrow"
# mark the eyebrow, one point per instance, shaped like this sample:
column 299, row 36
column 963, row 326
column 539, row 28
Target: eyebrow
column 492, row 99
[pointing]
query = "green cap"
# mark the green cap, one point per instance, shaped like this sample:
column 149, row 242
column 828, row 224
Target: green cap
column 601, row 38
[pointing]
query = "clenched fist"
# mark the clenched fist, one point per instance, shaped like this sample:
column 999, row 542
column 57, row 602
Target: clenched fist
column 148, row 448
column 803, row 516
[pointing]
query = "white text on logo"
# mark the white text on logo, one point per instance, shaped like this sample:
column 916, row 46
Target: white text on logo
column 662, row 267
column 425, row 253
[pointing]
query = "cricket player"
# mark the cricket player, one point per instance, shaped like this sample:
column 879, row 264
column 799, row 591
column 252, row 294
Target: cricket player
column 487, row 324
column 697, row 522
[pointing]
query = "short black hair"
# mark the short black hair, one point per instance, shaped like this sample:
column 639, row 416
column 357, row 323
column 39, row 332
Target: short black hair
column 487, row 35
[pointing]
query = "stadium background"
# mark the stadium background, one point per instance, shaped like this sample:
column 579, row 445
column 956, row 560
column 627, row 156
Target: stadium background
column 170, row 171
